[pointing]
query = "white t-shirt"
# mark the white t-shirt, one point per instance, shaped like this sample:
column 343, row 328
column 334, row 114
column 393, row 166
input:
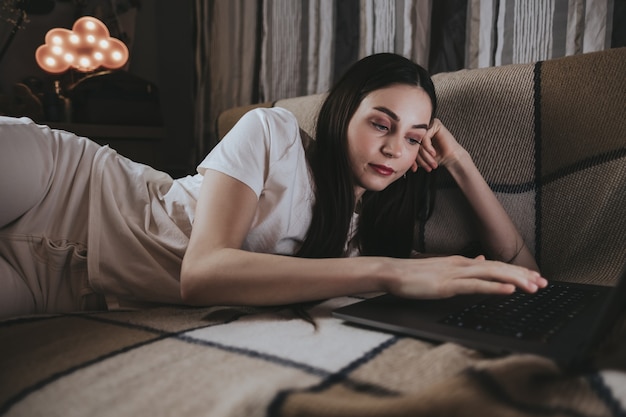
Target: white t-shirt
column 140, row 218
column 265, row 152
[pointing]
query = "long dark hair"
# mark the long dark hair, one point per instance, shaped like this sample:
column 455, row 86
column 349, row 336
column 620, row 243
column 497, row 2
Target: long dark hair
column 388, row 218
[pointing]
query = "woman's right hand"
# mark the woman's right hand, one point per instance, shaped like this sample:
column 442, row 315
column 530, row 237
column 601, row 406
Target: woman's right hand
column 443, row 277
column 438, row 147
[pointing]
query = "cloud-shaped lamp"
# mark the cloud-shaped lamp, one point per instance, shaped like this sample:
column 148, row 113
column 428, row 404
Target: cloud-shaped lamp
column 86, row 47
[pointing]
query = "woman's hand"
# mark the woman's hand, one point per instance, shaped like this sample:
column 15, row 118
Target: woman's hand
column 443, row 277
column 438, row 147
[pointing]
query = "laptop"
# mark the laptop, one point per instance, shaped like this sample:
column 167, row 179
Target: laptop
column 564, row 321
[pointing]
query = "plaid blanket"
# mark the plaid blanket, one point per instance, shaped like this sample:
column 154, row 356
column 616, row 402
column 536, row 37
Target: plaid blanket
column 226, row 361
column 549, row 137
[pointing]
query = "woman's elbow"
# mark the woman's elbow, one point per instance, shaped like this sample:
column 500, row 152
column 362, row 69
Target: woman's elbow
column 193, row 286
column 205, row 280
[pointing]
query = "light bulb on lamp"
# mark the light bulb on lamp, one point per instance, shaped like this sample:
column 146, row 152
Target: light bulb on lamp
column 86, row 47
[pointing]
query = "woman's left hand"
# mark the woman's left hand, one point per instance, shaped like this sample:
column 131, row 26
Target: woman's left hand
column 438, row 147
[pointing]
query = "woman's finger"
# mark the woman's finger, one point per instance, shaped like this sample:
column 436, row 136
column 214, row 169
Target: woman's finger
column 426, row 160
column 479, row 286
column 427, row 146
column 493, row 271
column 429, row 137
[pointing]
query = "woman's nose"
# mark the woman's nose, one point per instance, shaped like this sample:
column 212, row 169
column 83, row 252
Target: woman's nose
column 392, row 148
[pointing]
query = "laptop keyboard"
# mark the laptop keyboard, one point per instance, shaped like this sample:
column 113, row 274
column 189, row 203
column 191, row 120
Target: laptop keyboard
column 525, row 316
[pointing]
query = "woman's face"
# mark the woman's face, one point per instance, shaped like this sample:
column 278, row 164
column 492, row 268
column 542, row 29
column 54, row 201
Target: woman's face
column 384, row 135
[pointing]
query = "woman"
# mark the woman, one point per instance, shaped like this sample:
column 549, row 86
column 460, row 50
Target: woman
column 272, row 224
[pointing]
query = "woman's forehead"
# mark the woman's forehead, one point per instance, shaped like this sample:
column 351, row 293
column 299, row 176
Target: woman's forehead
column 400, row 102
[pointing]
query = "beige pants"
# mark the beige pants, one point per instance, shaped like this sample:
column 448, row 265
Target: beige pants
column 44, row 194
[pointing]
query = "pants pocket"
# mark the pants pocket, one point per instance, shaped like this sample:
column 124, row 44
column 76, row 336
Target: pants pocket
column 53, row 273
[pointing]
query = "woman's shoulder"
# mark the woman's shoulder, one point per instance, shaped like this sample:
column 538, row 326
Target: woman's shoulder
column 279, row 128
column 275, row 118
column 261, row 134
column 275, row 113
column 263, row 140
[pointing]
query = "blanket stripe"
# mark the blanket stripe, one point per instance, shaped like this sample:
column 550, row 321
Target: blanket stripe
column 603, row 391
column 341, row 377
column 538, row 159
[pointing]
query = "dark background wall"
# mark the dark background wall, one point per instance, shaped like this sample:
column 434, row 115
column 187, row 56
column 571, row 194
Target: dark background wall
column 161, row 54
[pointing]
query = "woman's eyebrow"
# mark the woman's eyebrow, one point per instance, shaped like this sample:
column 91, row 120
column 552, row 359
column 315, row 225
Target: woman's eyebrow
column 395, row 117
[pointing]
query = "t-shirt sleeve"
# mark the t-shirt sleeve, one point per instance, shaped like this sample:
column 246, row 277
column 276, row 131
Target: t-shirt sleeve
column 259, row 138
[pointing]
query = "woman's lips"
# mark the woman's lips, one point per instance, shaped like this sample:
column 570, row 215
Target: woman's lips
column 382, row 169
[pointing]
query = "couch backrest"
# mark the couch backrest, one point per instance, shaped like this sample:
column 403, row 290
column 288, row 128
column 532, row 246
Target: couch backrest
column 550, row 139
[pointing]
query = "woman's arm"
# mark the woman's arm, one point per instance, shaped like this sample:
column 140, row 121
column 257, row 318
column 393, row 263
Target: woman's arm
column 500, row 236
column 216, row 270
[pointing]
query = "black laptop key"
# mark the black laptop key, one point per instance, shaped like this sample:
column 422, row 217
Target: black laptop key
column 536, row 316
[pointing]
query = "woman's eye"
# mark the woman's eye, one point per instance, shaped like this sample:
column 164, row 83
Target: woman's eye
column 414, row 141
column 380, row 127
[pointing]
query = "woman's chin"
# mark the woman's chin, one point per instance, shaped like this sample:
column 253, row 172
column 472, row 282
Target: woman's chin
column 379, row 184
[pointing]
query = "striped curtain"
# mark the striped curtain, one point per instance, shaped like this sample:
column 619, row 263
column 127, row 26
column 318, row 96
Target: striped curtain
column 226, row 63
column 250, row 51
column 307, row 44
column 504, row 32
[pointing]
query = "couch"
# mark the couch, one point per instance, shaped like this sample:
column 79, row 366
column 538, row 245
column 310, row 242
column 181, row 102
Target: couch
column 550, row 139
